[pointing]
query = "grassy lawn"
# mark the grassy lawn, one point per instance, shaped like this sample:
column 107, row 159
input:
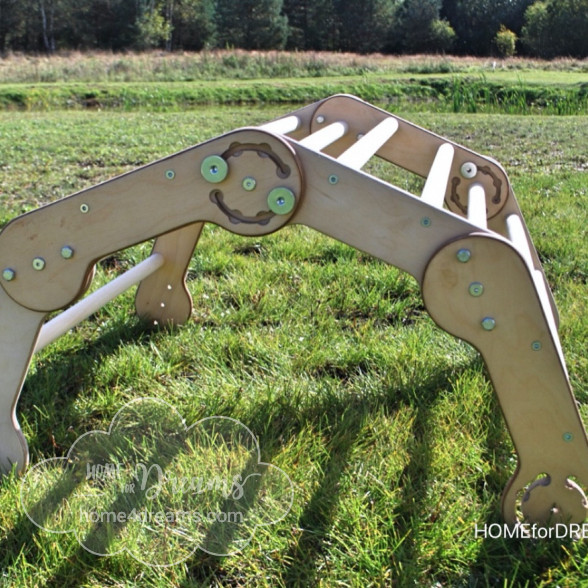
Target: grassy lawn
column 162, row 82
column 387, row 427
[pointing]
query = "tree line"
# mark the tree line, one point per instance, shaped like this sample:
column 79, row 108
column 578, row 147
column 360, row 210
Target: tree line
column 544, row 28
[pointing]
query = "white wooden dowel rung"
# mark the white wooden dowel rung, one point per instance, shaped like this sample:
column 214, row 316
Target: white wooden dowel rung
column 282, row 126
column 477, row 205
column 436, row 182
column 365, row 147
column 516, row 233
column 544, row 298
column 72, row 316
column 321, row 139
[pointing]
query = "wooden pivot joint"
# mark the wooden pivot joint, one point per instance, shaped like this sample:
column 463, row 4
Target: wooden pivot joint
column 463, row 238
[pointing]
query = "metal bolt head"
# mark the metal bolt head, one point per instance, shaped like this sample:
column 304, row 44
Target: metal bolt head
column 469, row 170
column 214, row 169
column 488, row 323
column 464, row 255
column 38, row 264
column 67, row 252
column 320, row 119
column 249, row 183
column 426, row 222
column 536, row 346
column 170, row 174
column 476, row 289
column 9, row 274
column 567, row 437
column 281, row 200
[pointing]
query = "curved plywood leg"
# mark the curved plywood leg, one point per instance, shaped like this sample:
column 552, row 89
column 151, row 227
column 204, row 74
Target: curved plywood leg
column 19, row 327
column 488, row 298
column 163, row 298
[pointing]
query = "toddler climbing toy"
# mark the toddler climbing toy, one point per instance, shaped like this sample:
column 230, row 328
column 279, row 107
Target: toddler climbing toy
column 463, row 239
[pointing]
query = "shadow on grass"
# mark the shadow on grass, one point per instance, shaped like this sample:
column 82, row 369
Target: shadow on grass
column 78, row 564
column 55, row 384
column 504, row 561
column 36, row 393
column 343, row 418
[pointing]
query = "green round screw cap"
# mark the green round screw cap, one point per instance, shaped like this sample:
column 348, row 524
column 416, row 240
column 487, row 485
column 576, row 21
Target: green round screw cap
column 9, row 274
column 67, row 252
column 476, row 289
column 281, row 200
column 249, row 183
column 488, row 323
column 464, row 255
column 214, row 169
column 38, row 263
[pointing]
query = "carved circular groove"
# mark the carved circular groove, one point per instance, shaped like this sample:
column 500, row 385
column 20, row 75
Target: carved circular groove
column 549, row 502
column 264, row 186
column 493, row 180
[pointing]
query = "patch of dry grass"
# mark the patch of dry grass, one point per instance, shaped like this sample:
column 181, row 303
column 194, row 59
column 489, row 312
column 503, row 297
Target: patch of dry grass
column 163, row 66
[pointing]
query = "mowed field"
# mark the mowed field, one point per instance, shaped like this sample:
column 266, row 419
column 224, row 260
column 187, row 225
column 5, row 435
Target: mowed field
column 387, row 427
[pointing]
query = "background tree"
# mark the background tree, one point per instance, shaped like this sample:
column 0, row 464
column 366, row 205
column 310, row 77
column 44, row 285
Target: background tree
column 547, row 28
column 477, row 22
column 47, row 10
column 557, row 28
column 251, row 24
column 535, row 32
column 194, row 25
column 11, row 24
column 505, row 42
column 365, row 26
column 101, row 24
column 420, row 28
column 312, row 25
column 153, row 28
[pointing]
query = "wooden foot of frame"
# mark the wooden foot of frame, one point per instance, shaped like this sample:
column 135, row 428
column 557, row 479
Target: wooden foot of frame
column 463, row 239
column 163, row 298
